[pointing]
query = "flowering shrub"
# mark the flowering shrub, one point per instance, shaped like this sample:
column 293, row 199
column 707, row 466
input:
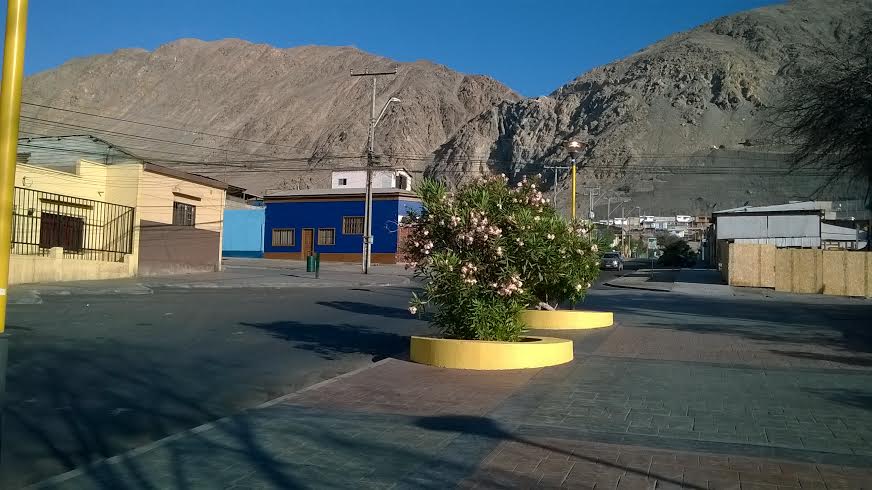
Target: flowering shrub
column 487, row 251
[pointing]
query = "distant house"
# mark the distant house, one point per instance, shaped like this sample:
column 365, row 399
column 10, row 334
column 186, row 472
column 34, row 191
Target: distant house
column 86, row 209
column 381, row 179
column 243, row 224
column 805, row 224
column 331, row 221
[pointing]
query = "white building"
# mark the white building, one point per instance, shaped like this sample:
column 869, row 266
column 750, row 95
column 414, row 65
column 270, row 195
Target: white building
column 381, row 179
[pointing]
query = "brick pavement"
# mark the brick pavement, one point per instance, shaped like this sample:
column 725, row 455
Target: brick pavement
column 695, row 403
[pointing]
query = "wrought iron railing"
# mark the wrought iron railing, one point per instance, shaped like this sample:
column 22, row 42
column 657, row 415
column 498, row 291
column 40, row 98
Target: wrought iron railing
column 84, row 228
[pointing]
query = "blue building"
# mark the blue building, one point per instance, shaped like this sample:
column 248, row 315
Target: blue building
column 243, row 224
column 243, row 232
column 330, row 221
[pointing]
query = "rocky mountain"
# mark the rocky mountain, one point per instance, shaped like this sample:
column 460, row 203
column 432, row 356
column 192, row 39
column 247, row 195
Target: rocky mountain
column 676, row 127
column 291, row 113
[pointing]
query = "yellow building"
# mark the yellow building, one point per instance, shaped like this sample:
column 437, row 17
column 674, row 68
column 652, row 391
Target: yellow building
column 85, row 209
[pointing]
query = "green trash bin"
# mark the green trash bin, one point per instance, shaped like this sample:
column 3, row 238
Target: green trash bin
column 310, row 263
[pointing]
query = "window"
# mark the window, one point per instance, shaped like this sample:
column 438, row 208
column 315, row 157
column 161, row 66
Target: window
column 283, row 237
column 352, row 225
column 326, row 236
column 402, row 182
column 56, row 230
column 184, row 214
column 343, row 182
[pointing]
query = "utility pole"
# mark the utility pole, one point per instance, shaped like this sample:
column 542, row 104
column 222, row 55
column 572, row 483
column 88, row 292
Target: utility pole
column 623, row 230
column 367, row 201
column 557, row 170
column 591, row 192
column 10, row 110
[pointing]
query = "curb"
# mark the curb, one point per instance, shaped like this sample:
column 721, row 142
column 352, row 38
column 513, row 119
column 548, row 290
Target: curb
column 641, row 288
column 118, row 458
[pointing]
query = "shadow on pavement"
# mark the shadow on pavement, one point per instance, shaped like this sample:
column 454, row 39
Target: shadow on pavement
column 852, row 398
column 54, row 425
column 368, row 309
column 486, row 427
column 840, row 325
column 817, row 356
column 328, row 341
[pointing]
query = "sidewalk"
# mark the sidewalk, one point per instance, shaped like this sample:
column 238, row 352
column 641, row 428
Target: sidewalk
column 237, row 273
column 693, row 403
column 686, row 281
column 646, row 279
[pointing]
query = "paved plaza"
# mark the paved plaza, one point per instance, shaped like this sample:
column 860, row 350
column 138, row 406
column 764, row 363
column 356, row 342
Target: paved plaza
column 709, row 390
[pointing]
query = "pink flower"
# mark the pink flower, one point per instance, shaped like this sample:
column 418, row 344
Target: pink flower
column 413, row 310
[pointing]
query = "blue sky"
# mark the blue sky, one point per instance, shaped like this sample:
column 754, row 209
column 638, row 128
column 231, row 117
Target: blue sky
column 531, row 46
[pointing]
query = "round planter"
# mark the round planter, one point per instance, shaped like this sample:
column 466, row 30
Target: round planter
column 531, row 352
column 566, row 319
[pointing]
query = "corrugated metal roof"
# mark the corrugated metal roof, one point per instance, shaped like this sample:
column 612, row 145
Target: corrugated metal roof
column 781, row 208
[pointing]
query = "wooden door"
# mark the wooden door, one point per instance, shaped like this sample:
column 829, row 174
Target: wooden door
column 308, row 243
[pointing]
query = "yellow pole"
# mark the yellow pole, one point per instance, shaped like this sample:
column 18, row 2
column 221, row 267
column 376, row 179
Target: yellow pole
column 10, row 109
column 573, row 190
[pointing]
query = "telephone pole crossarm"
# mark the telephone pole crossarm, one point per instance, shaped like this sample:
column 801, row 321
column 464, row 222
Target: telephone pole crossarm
column 370, row 162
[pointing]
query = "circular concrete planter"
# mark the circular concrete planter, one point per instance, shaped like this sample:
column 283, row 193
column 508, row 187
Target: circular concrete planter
column 531, row 352
column 566, row 319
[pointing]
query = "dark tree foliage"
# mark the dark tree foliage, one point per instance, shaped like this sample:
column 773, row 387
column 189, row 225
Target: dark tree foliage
column 826, row 110
column 677, row 253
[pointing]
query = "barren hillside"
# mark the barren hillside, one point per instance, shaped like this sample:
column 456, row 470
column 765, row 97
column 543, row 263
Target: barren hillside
column 677, row 126
column 301, row 103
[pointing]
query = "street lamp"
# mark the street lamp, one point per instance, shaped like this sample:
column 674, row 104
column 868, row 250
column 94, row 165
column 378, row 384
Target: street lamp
column 574, row 148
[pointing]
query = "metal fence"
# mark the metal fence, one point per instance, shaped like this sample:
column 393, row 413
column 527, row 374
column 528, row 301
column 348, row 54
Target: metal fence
column 85, row 229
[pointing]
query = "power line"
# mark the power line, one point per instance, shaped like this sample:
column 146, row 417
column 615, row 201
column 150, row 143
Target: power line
column 112, row 118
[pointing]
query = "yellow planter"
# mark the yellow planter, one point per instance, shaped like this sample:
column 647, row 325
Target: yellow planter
column 532, row 352
column 566, row 319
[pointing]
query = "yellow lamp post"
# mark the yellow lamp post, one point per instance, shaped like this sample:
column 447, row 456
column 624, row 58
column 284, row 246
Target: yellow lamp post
column 574, row 148
column 10, row 109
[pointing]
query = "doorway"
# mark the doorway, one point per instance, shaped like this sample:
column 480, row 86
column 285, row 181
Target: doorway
column 308, row 243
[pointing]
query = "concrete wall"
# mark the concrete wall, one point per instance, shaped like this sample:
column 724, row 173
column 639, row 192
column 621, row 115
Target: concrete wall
column 243, row 232
column 381, row 179
column 115, row 184
column 168, row 249
column 24, row 269
column 356, row 179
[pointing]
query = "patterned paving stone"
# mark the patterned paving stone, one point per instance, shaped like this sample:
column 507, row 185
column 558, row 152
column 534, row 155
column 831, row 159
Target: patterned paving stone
column 711, row 346
column 553, row 463
column 789, row 408
column 413, row 389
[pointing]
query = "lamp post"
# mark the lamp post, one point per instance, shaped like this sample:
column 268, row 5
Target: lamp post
column 574, row 148
column 10, row 109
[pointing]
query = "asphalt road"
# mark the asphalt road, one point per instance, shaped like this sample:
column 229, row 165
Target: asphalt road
column 92, row 376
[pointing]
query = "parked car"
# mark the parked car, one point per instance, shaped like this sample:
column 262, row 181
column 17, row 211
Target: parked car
column 612, row 260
